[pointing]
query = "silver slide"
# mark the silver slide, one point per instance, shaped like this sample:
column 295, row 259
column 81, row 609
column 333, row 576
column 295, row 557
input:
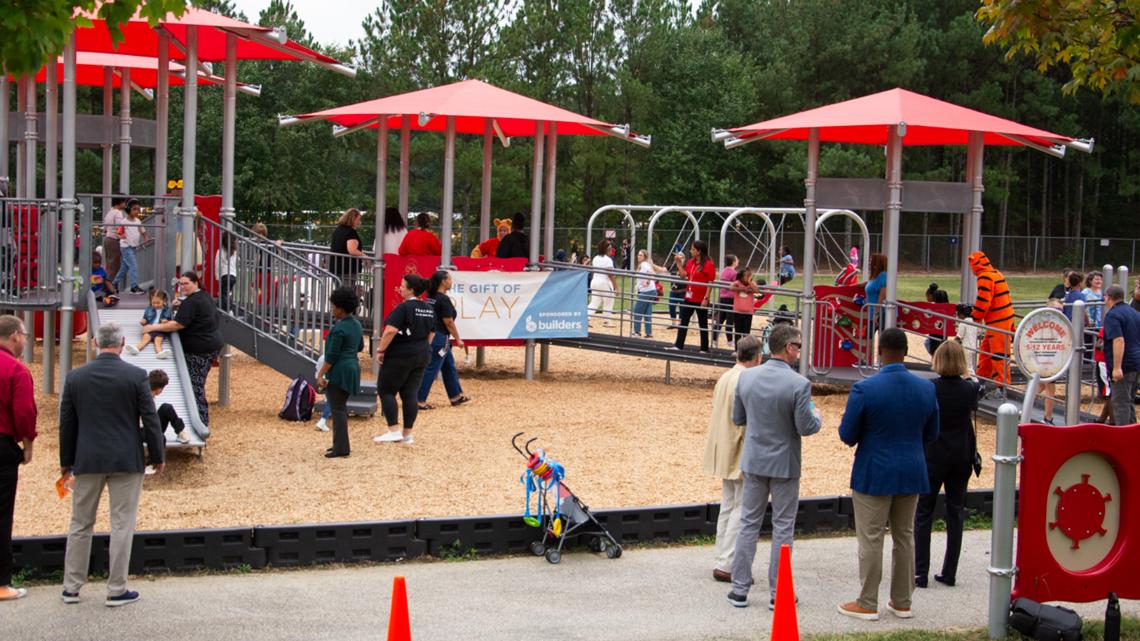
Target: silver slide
column 178, row 393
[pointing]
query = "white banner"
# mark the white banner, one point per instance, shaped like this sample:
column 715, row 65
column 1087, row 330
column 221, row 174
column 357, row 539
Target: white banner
column 513, row 305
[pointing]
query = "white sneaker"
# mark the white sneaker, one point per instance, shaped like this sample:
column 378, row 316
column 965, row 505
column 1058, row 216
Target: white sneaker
column 389, row 437
column 164, row 354
column 409, row 439
column 183, row 436
column 322, row 426
column 132, row 350
column 149, row 471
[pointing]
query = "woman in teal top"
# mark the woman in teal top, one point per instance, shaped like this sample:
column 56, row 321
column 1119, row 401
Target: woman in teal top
column 339, row 377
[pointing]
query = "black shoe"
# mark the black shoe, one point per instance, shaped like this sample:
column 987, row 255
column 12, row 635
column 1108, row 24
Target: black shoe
column 332, row 454
column 772, row 603
column 137, row 291
column 122, row 599
column 738, row 600
column 944, row 580
column 70, row 597
column 920, row 581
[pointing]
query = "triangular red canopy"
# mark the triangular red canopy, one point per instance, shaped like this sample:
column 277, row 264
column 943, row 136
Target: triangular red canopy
column 140, row 39
column 472, row 102
column 928, row 121
column 144, row 71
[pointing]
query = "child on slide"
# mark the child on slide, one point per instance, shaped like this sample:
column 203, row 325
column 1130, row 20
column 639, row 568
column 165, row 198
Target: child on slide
column 158, row 311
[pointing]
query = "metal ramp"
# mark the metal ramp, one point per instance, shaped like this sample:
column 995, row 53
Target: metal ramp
column 178, row 393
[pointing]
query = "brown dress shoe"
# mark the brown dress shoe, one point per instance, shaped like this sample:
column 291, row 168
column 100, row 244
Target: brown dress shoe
column 722, row 576
column 855, row 611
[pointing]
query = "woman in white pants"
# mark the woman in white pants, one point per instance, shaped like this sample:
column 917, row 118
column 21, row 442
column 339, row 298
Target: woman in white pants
column 603, row 287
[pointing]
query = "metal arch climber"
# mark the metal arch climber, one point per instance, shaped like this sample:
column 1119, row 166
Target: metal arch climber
column 864, row 263
column 624, row 209
column 771, row 236
column 661, row 212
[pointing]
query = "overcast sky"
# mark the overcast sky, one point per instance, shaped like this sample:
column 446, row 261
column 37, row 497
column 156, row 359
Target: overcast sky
column 330, row 21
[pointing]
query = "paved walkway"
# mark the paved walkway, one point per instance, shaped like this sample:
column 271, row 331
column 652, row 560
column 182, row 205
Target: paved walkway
column 653, row 594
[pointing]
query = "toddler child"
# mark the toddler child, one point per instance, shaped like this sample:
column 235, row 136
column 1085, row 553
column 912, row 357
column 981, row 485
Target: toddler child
column 166, row 415
column 103, row 289
column 157, row 312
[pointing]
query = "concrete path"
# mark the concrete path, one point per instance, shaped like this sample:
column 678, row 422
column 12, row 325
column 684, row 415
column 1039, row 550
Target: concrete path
column 657, row 594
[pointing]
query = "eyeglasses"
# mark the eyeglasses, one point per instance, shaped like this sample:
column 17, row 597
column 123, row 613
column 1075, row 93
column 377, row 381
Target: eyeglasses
column 797, row 345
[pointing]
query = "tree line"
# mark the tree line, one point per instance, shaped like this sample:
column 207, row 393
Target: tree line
column 674, row 71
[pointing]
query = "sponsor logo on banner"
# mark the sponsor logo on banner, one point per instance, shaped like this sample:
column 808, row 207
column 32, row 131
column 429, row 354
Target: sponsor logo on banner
column 520, row 305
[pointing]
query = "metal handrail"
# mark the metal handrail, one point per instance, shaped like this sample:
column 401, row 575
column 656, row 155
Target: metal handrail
column 277, row 293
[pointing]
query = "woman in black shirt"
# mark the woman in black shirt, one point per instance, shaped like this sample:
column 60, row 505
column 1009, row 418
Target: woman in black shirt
column 196, row 322
column 403, row 356
column 441, row 357
column 346, row 247
column 949, row 461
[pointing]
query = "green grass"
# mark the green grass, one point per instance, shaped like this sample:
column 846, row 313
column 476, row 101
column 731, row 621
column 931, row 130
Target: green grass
column 1093, row 631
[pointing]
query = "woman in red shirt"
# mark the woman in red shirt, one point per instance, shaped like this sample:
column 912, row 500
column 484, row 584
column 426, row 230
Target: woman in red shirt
column 699, row 269
column 421, row 241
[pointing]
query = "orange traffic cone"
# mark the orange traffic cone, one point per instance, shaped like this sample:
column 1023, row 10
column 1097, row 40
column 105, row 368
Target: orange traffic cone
column 399, row 624
column 785, row 624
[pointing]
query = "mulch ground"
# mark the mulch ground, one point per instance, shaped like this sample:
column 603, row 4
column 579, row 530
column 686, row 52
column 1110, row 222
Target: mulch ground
column 625, row 438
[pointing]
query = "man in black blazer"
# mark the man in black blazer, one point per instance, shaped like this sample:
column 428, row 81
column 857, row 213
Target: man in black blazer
column 100, row 442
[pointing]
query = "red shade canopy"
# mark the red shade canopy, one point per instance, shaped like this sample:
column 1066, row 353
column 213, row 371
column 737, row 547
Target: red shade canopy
column 472, row 102
column 140, row 39
column 144, row 71
column 928, row 121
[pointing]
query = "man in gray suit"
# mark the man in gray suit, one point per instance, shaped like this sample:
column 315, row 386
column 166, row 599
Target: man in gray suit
column 774, row 403
column 100, row 442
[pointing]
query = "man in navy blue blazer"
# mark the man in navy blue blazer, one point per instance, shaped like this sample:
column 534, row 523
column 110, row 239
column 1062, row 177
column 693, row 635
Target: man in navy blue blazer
column 889, row 417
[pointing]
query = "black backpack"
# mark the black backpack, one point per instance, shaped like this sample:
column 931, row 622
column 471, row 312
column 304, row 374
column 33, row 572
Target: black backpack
column 299, row 401
column 1044, row 622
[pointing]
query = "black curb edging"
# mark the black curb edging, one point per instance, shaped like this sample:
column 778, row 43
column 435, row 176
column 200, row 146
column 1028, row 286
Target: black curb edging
column 380, row 541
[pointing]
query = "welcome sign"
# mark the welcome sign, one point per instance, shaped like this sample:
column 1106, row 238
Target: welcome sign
column 520, row 305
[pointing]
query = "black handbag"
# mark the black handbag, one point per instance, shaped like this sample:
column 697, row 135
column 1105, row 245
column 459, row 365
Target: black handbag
column 1044, row 622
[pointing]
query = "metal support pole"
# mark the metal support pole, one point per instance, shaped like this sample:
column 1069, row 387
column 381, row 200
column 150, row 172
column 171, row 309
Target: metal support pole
column 31, row 136
column 125, row 133
column 972, row 222
column 189, row 148
column 51, row 134
column 18, row 178
column 485, row 207
column 894, row 206
column 1001, row 567
column 108, row 159
column 4, row 98
column 445, row 218
column 548, row 228
column 1073, row 385
column 381, row 249
column 535, row 226
column 162, row 118
column 809, row 251
column 1122, row 274
column 405, row 159
column 67, row 210
column 229, row 118
column 1107, row 274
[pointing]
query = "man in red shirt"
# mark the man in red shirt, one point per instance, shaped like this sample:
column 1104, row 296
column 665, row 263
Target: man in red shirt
column 421, row 241
column 17, row 426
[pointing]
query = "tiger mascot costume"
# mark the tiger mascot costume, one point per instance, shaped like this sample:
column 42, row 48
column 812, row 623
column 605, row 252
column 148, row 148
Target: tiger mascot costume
column 994, row 308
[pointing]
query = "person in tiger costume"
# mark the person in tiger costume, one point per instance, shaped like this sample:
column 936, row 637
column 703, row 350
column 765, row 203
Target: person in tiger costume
column 487, row 248
column 994, row 308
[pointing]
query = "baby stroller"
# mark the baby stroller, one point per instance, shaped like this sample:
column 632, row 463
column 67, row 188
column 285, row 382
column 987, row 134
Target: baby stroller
column 559, row 512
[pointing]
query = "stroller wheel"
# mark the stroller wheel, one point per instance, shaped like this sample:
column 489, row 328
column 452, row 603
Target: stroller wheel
column 537, row 548
column 596, row 544
column 553, row 555
column 613, row 551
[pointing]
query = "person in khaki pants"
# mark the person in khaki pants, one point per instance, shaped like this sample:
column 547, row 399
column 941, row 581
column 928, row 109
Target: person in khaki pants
column 101, row 444
column 889, row 417
column 722, row 455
